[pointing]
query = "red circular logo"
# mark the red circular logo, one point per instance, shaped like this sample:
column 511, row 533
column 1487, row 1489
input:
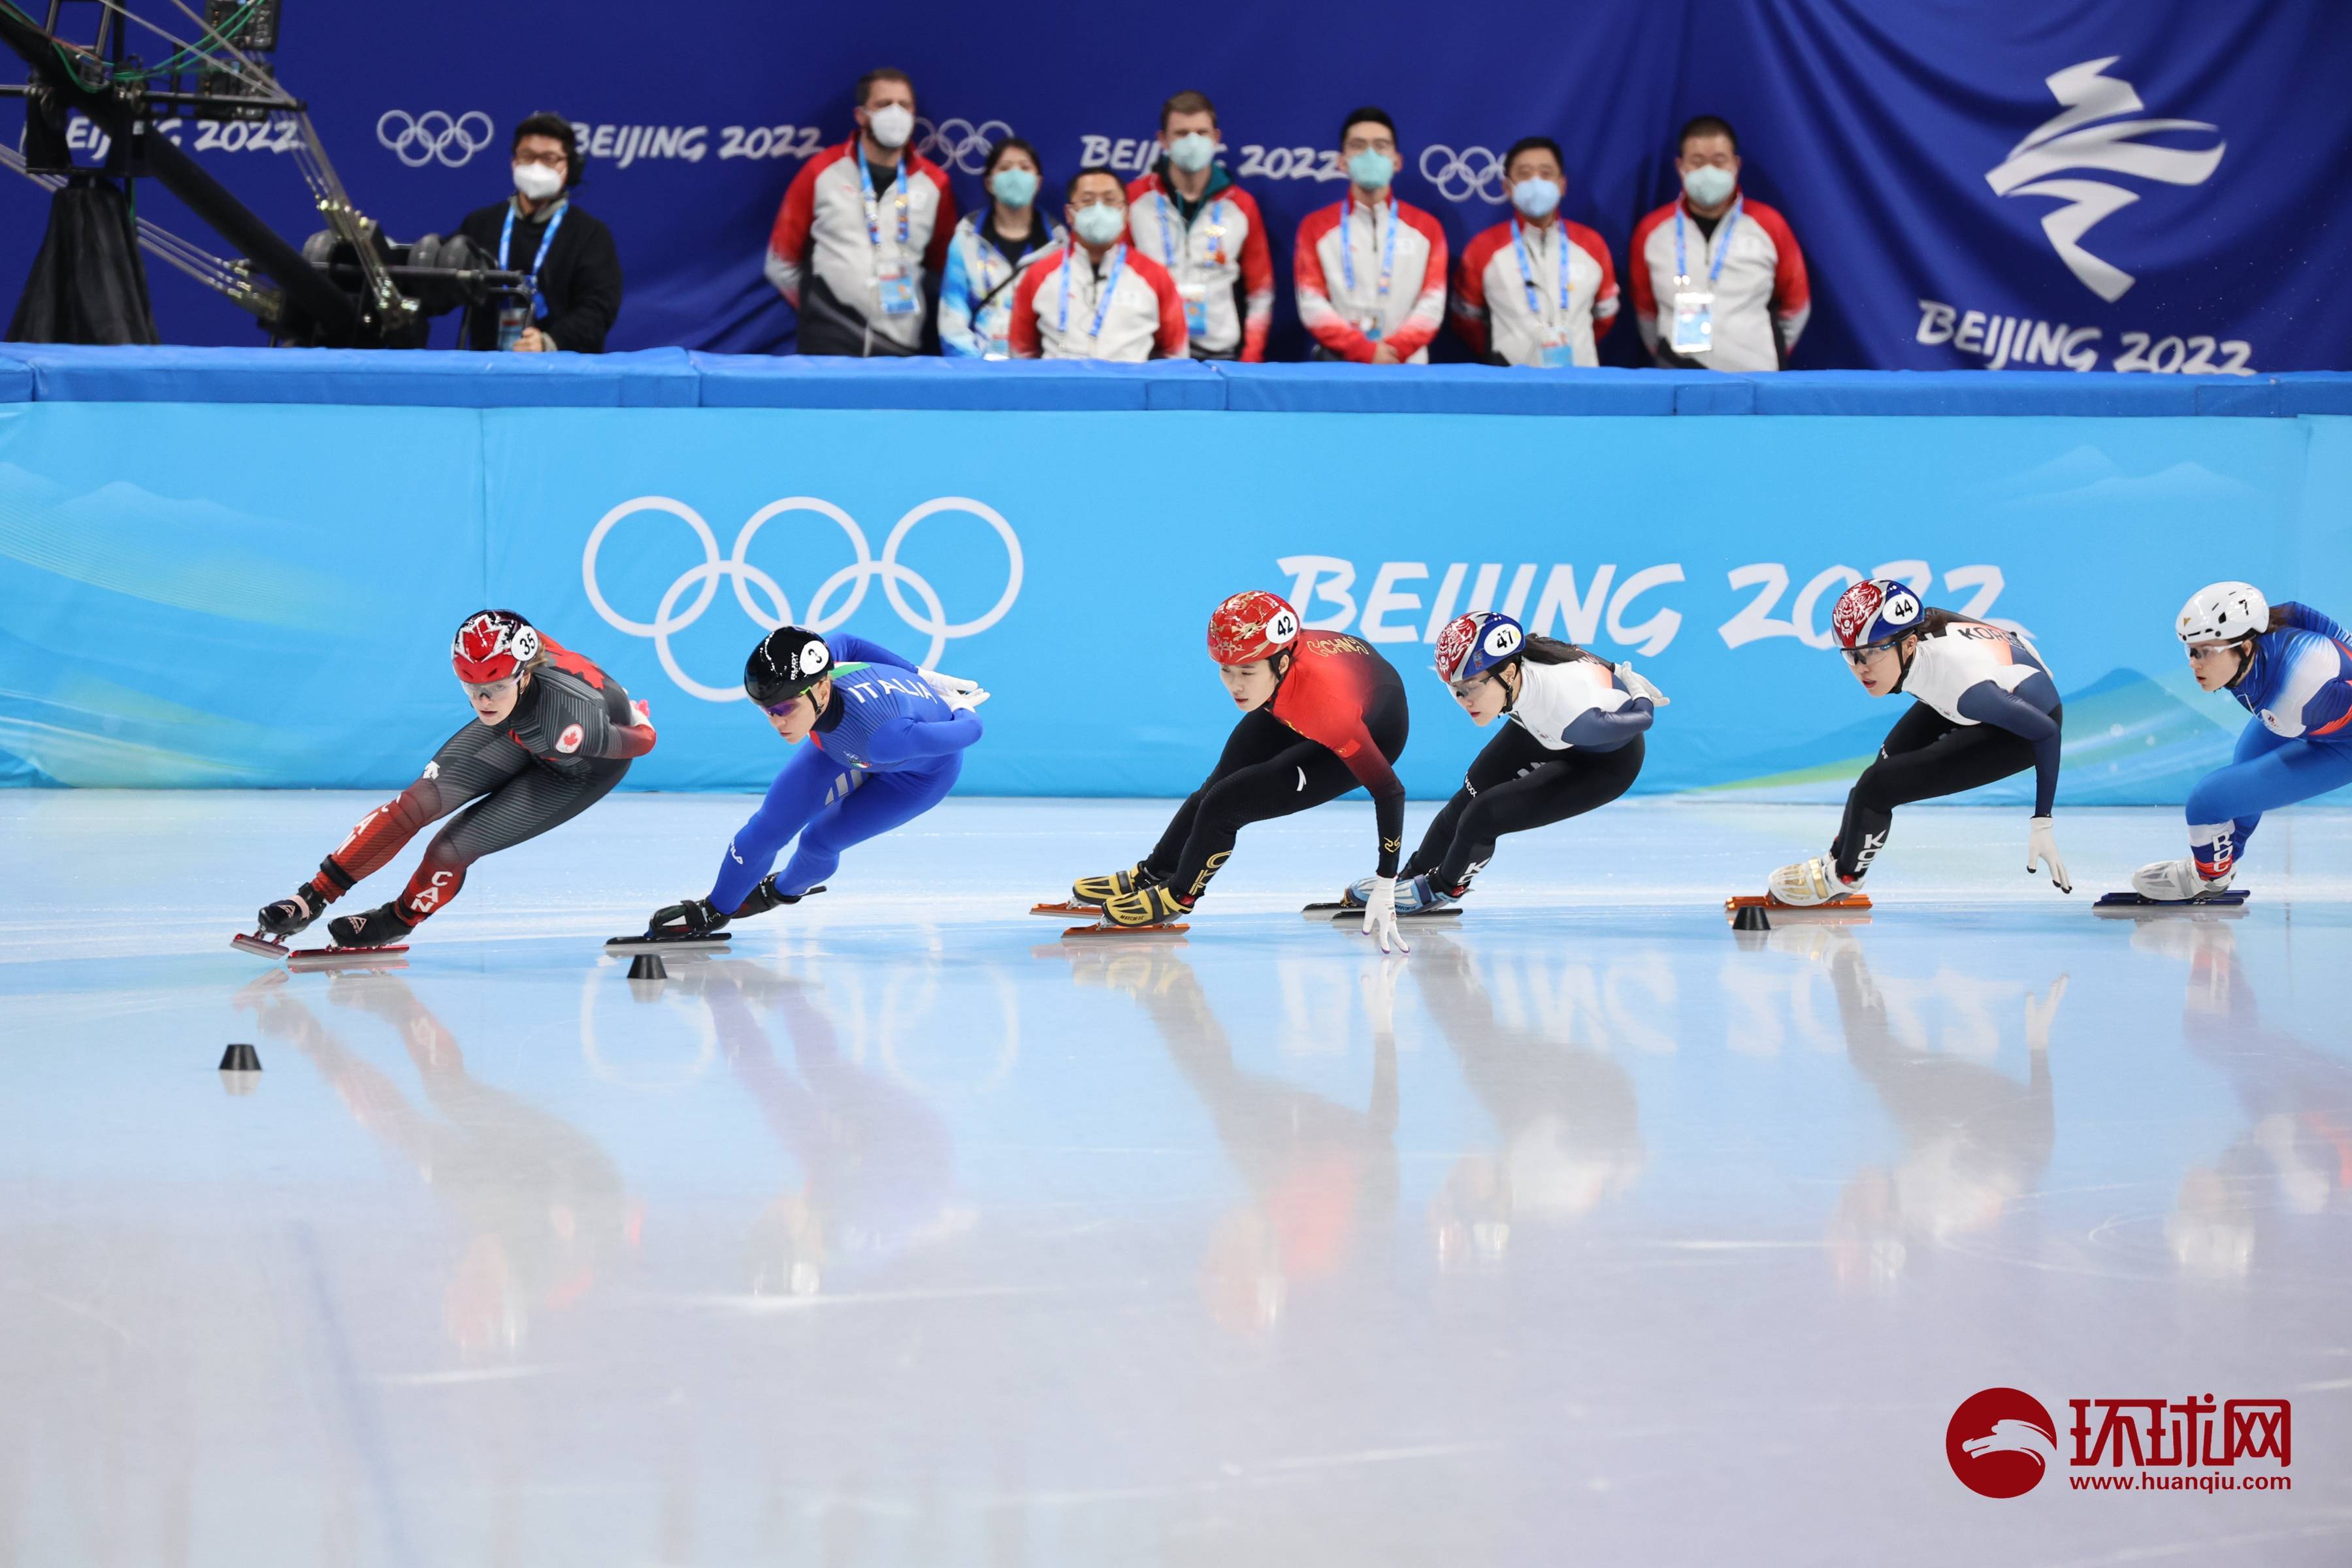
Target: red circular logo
column 2000, row 1442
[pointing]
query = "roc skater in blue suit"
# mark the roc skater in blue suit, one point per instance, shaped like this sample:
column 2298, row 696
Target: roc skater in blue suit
column 2291, row 667
column 886, row 740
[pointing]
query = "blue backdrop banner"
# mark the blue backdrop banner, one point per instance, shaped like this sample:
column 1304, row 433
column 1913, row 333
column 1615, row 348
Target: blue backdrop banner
column 2117, row 184
column 182, row 616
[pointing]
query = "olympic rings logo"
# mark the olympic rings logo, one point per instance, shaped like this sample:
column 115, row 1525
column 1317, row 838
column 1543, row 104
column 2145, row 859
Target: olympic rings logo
column 1458, row 176
column 417, row 140
column 959, row 144
column 823, row 614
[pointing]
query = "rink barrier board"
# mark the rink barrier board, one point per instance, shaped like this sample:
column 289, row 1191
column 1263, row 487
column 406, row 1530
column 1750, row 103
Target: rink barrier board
column 675, row 378
column 194, row 583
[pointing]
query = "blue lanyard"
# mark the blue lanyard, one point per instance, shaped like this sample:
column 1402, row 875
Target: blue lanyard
column 1722, row 244
column 506, row 238
column 1168, row 232
column 873, row 203
column 1102, row 306
column 1527, row 271
column 1348, row 254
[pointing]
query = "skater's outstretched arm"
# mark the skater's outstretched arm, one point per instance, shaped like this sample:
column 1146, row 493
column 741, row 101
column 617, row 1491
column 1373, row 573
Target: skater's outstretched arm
column 905, row 739
column 2026, row 713
column 799, row 793
column 1594, row 731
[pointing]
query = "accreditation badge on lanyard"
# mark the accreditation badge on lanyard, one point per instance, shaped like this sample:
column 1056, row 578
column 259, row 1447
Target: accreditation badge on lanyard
column 1694, row 308
column 1554, row 351
column 515, row 315
column 900, row 296
column 1369, row 322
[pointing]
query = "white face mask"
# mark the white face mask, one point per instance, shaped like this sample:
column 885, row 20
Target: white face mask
column 537, row 180
column 891, row 124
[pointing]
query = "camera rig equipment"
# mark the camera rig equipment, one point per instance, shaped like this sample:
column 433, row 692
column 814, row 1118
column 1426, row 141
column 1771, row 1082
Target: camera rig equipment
column 348, row 286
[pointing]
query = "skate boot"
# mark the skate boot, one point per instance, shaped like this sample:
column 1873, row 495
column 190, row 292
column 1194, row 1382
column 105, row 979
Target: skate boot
column 1811, row 882
column 1111, row 885
column 2178, row 882
column 292, row 915
column 1150, row 905
column 379, row 927
column 1414, row 896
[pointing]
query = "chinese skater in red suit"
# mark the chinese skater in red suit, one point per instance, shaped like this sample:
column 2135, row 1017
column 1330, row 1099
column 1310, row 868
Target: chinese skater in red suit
column 1321, row 713
column 550, row 735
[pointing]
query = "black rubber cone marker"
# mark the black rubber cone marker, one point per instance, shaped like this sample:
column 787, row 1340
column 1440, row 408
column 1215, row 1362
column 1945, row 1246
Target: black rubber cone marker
column 648, row 966
column 240, row 1057
column 1751, row 917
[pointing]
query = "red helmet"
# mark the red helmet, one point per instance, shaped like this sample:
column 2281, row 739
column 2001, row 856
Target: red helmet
column 492, row 645
column 1251, row 626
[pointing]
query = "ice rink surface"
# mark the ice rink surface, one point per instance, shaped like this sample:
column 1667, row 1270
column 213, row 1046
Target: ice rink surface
column 909, row 1233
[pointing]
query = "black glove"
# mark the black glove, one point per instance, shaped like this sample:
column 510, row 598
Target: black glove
column 764, row 897
column 696, row 917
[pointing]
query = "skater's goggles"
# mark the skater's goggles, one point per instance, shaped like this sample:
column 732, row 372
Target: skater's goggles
column 1859, row 656
column 490, row 688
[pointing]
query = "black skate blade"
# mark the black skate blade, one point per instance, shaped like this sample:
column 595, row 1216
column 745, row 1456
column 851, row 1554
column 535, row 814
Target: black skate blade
column 258, row 945
column 391, row 957
column 1066, row 909
column 2228, row 899
column 647, row 941
column 1347, row 911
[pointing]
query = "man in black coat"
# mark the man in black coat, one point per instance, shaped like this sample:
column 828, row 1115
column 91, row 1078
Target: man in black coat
column 539, row 230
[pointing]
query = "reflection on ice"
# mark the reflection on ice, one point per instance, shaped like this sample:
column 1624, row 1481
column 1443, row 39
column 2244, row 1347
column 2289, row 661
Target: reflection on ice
column 540, row 1205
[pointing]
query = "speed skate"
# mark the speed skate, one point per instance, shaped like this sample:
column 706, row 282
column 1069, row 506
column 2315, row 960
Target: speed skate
column 1342, row 908
column 262, row 946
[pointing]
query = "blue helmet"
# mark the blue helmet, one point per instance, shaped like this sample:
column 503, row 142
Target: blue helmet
column 1473, row 644
column 1877, row 610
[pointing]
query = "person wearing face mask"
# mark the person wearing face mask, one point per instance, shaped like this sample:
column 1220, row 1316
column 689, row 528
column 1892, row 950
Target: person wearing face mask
column 1207, row 231
column 1099, row 297
column 568, row 254
column 1718, row 281
column 863, row 233
column 551, row 735
column 990, row 249
column 1535, row 288
column 1370, row 272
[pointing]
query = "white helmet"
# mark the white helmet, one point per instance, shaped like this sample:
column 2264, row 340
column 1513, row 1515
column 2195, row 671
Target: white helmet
column 2223, row 612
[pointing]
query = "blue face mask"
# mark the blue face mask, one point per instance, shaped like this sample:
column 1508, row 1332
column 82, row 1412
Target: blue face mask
column 1015, row 187
column 1536, row 199
column 1100, row 223
column 1372, row 169
column 1192, row 152
column 1708, row 185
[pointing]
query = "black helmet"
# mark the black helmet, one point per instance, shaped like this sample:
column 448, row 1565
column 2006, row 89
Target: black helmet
column 788, row 661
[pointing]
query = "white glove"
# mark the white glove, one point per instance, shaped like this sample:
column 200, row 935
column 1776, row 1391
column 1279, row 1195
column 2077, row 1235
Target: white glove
column 1380, row 915
column 2041, row 846
column 641, row 712
column 957, row 693
column 1641, row 688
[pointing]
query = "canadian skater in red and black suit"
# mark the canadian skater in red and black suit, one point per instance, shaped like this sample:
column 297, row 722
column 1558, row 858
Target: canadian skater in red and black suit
column 1321, row 713
column 551, row 735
